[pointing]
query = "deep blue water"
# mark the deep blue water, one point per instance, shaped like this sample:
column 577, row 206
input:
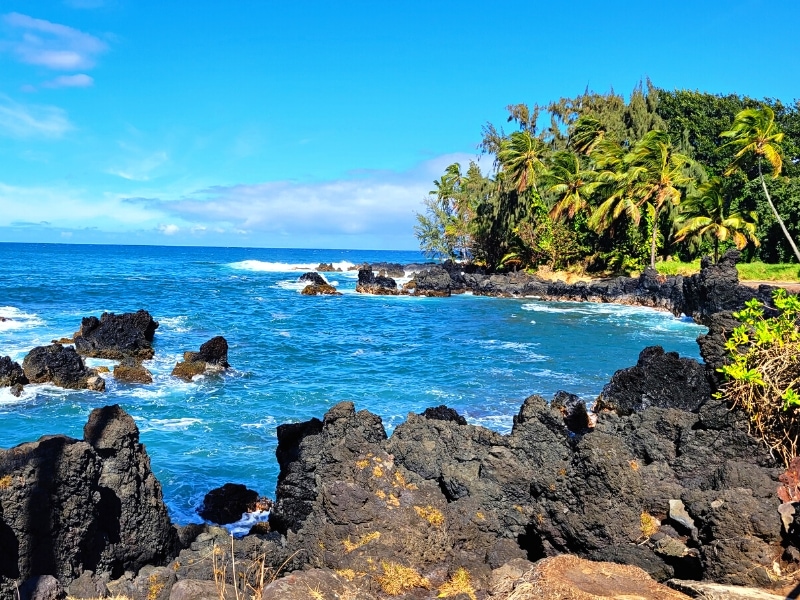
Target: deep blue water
column 294, row 356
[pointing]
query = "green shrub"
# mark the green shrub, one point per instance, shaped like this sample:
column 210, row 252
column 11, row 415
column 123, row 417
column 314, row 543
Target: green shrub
column 763, row 376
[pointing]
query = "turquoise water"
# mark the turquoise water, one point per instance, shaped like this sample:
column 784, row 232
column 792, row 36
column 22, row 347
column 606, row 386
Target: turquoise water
column 295, row 356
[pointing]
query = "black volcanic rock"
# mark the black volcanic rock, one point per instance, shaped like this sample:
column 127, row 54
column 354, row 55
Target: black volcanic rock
column 117, row 336
column 213, row 356
column 11, row 374
column 68, row 506
column 313, row 278
column 61, row 366
column 226, row 504
column 369, row 283
column 443, row 413
column 660, row 379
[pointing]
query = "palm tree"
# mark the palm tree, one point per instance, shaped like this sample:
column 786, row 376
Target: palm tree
column 704, row 216
column 570, row 184
column 520, row 159
column 649, row 176
column 754, row 133
column 586, row 134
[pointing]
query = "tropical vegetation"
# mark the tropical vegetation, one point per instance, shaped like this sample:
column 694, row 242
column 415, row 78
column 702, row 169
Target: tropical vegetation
column 598, row 183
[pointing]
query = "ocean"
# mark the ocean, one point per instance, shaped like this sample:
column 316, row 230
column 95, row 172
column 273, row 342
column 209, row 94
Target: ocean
column 295, row 356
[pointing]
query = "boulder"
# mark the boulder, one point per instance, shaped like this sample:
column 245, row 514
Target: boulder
column 131, row 370
column 41, row 587
column 443, row 413
column 327, row 268
column 369, row 283
column 11, row 374
column 61, row 366
column 213, row 356
column 69, row 506
column 660, row 379
column 228, row 503
column 320, row 290
column 435, row 281
column 117, row 336
column 313, row 278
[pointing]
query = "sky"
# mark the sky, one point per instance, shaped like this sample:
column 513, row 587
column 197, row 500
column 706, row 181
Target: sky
column 317, row 124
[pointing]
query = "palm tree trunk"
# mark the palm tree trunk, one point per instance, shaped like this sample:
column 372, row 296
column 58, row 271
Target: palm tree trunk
column 716, row 250
column 775, row 212
column 653, row 242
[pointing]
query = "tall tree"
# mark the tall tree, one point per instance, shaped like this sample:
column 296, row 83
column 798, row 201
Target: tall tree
column 755, row 134
column 521, row 160
column 651, row 175
column 704, row 215
column 570, row 184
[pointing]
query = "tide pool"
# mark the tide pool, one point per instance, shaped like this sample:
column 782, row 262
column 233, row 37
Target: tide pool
column 295, row 356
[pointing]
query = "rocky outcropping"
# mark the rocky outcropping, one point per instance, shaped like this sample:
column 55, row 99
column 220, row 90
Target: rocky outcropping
column 117, row 336
column 61, row 366
column 131, row 370
column 369, row 283
column 212, row 357
column 228, row 503
column 12, row 375
column 313, row 278
column 69, row 506
column 320, row 290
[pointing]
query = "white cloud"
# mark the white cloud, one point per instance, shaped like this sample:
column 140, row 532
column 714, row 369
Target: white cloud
column 52, row 45
column 29, row 120
column 78, row 80
column 170, row 229
column 140, row 168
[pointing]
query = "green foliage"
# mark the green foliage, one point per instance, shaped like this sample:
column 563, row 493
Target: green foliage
column 763, row 373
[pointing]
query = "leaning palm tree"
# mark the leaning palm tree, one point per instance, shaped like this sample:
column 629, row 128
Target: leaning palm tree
column 651, row 175
column 586, row 134
column 704, row 216
column 520, row 158
column 755, row 134
column 569, row 184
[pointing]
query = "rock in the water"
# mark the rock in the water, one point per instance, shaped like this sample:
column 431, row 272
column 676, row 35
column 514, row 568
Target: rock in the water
column 435, row 281
column 131, row 370
column 369, row 283
column 67, row 506
column 61, row 366
column 659, row 379
column 314, row 278
column 327, row 268
column 213, row 356
column 443, row 413
column 320, row 290
column 11, row 373
column 228, row 503
column 117, row 336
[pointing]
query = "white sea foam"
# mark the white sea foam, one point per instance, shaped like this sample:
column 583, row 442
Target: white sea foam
column 181, row 424
column 14, row 318
column 281, row 267
column 243, row 525
column 177, row 324
column 292, row 285
column 265, row 423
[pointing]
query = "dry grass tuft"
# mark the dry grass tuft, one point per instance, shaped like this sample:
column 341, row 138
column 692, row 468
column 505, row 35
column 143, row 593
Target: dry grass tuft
column 348, row 574
column 5, row 482
column 649, row 524
column 397, row 579
column 432, row 515
column 458, row 584
column 365, row 539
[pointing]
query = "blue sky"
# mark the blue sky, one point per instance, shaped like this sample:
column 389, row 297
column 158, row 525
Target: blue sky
column 311, row 123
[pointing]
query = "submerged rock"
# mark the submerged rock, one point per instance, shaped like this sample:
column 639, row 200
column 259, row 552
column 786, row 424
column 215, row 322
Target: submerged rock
column 61, row 366
column 131, row 370
column 117, row 336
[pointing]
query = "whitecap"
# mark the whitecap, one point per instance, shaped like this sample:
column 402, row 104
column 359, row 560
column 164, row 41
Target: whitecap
column 282, row 267
column 14, row 318
column 177, row 324
column 291, row 285
column 242, row 526
column 181, row 424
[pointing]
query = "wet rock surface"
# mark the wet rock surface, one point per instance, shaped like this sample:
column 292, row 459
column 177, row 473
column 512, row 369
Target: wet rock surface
column 68, row 506
column 212, row 357
column 320, row 290
column 314, row 278
column 369, row 283
column 61, row 366
column 117, row 336
column 226, row 504
column 131, row 370
column 11, row 373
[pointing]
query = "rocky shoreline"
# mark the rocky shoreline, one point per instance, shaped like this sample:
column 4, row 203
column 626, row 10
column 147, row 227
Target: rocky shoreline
column 658, row 475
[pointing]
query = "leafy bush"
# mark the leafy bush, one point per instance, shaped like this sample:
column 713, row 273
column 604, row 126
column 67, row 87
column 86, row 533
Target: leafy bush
column 763, row 377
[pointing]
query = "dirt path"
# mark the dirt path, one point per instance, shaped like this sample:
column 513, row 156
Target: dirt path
column 790, row 286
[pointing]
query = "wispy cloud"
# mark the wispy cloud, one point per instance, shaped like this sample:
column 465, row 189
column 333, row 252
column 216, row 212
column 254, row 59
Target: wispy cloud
column 31, row 121
column 64, row 81
column 51, row 45
column 139, row 168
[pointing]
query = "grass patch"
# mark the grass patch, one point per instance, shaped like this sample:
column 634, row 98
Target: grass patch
column 349, row 546
column 754, row 271
column 397, row 579
column 649, row 524
column 459, row 584
column 432, row 515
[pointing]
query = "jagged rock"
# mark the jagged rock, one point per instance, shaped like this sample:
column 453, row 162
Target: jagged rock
column 131, row 370
column 369, row 283
column 313, row 278
column 327, row 268
column 320, row 290
column 61, row 366
column 88, row 586
column 226, row 504
column 117, row 336
column 41, row 587
column 213, row 356
column 67, row 506
column 576, row 417
column 659, row 379
column 11, row 374
column 435, row 281
column 443, row 413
